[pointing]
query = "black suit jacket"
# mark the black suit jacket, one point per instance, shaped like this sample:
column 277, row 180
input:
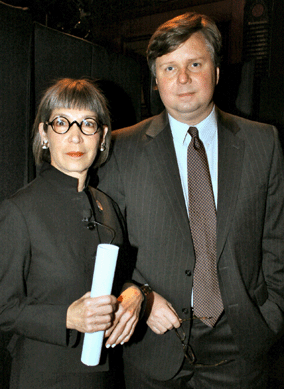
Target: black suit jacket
column 47, row 262
column 142, row 176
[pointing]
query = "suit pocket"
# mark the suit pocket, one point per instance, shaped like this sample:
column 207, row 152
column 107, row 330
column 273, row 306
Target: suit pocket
column 269, row 310
column 12, row 345
column 261, row 294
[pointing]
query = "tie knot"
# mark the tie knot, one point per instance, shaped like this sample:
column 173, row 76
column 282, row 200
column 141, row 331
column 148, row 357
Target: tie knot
column 193, row 132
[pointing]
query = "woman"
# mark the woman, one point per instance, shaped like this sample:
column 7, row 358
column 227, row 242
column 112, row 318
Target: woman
column 50, row 230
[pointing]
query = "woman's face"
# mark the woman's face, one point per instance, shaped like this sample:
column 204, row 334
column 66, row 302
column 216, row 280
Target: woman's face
column 73, row 152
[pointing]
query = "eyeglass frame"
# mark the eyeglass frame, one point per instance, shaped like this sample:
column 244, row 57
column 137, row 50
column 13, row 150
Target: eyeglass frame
column 187, row 349
column 99, row 125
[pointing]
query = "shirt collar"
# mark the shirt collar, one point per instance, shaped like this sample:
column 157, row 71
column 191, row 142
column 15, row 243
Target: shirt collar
column 207, row 128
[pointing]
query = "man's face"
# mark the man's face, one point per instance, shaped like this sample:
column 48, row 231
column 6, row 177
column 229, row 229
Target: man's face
column 186, row 79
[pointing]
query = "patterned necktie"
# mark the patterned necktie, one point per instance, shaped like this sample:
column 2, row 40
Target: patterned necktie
column 207, row 301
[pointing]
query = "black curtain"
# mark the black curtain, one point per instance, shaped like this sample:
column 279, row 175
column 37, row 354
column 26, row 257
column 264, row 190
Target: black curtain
column 61, row 55
column 16, row 32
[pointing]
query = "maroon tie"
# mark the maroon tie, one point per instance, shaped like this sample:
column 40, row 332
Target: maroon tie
column 207, row 301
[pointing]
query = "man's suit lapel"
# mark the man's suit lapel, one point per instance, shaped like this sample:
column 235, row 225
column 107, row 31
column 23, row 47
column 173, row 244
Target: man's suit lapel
column 160, row 151
column 230, row 165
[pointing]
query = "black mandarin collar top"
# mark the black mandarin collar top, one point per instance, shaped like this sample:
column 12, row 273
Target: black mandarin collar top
column 60, row 180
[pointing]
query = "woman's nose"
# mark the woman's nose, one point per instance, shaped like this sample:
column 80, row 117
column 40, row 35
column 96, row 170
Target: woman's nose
column 75, row 134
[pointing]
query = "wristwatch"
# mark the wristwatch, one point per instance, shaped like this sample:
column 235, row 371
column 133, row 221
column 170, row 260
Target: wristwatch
column 146, row 290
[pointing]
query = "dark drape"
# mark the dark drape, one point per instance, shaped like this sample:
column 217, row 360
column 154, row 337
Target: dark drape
column 15, row 85
column 15, row 76
column 61, row 55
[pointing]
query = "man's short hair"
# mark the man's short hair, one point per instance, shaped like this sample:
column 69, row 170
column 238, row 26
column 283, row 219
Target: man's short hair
column 170, row 35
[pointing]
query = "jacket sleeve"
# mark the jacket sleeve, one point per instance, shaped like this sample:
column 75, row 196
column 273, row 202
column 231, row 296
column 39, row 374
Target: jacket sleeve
column 111, row 181
column 18, row 312
column 273, row 243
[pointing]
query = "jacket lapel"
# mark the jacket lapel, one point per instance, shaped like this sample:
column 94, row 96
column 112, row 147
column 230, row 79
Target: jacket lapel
column 160, row 151
column 105, row 233
column 230, row 164
column 161, row 154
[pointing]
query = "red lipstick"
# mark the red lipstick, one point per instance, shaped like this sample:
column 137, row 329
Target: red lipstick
column 75, row 154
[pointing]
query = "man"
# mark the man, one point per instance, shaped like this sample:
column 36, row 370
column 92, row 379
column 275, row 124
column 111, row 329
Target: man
column 150, row 175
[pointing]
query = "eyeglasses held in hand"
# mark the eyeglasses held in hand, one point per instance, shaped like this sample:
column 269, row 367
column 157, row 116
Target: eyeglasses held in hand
column 187, row 349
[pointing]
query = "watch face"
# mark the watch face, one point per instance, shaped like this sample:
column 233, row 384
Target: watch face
column 146, row 289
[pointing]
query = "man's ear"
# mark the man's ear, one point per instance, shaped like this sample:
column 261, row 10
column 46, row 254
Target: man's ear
column 155, row 87
column 217, row 75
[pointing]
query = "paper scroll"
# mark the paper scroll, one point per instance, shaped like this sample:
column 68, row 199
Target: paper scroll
column 106, row 258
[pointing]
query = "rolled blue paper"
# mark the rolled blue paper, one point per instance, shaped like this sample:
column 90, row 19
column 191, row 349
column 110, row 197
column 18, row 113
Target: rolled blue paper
column 105, row 264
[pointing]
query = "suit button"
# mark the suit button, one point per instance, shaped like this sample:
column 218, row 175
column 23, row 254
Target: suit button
column 188, row 272
column 185, row 311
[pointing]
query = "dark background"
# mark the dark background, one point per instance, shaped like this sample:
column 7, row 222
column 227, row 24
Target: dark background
column 42, row 40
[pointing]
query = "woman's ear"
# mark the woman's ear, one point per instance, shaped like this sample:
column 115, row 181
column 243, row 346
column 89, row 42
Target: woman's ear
column 105, row 131
column 43, row 135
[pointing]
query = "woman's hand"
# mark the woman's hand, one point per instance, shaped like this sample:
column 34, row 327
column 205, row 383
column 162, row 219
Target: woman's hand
column 91, row 314
column 126, row 316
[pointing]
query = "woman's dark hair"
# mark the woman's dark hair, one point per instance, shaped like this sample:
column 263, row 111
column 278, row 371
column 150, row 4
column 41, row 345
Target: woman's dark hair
column 170, row 35
column 75, row 94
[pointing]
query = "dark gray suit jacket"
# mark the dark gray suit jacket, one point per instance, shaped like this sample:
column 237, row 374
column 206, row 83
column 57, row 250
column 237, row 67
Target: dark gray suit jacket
column 142, row 176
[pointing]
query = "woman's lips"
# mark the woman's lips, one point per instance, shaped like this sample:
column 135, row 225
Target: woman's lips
column 75, row 154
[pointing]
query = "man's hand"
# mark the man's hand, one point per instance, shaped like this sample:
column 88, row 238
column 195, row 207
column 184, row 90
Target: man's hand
column 91, row 314
column 126, row 317
column 160, row 314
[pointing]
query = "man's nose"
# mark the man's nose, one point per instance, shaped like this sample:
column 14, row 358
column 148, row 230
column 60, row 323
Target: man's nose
column 184, row 76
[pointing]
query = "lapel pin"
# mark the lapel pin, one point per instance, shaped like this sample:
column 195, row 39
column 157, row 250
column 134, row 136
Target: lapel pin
column 99, row 205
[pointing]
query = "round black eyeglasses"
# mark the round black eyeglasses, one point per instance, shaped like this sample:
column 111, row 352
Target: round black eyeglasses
column 61, row 125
